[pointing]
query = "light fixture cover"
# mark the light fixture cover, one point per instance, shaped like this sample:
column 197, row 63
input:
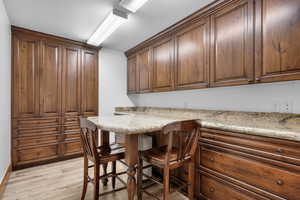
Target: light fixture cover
column 132, row 5
column 115, row 19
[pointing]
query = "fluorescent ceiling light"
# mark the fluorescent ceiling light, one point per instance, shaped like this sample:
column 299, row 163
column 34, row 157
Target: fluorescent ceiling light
column 115, row 19
column 133, row 5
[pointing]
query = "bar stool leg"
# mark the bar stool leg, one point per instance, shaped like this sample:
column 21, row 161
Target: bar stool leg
column 166, row 184
column 105, row 180
column 114, row 171
column 96, row 181
column 140, row 178
column 191, row 180
column 85, row 178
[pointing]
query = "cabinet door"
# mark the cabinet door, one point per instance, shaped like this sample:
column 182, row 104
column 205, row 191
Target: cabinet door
column 131, row 75
column 232, row 52
column 50, row 79
column 192, row 51
column 144, row 71
column 163, row 65
column 71, row 81
column 25, row 76
column 278, row 35
column 89, row 85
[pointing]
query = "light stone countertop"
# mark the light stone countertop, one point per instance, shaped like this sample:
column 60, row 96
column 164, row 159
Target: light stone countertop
column 134, row 120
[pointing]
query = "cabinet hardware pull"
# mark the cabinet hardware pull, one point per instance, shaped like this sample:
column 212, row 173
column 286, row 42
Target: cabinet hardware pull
column 211, row 189
column 211, row 159
column 279, row 182
column 279, row 150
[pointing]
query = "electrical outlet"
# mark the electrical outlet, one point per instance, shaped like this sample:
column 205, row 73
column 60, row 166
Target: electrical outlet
column 283, row 106
column 185, row 104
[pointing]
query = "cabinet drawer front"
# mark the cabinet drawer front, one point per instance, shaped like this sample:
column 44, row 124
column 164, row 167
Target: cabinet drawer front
column 71, row 121
column 31, row 141
column 37, row 131
column 211, row 188
column 37, row 154
column 270, row 178
column 37, row 122
column 283, row 150
column 73, row 147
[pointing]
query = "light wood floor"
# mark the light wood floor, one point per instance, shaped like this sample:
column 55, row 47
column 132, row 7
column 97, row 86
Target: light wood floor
column 61, row 181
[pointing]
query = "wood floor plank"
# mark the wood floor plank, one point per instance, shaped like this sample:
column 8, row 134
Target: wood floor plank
column 61, row 181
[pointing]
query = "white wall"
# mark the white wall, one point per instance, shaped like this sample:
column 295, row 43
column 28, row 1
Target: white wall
column 112, row 82
column 271, row 97
column 5, row 76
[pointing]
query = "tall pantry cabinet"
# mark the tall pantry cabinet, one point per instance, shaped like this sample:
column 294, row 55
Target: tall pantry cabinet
column 54, row 81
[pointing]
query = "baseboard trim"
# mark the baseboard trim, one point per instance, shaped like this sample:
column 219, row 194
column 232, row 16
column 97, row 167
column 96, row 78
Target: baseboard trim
column 5, row 180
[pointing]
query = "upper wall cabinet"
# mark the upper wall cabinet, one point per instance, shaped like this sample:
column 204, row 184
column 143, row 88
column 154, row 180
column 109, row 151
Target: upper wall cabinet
column 131, row 75
column 144, row 70
column 163, row 65
column 192, row 51
column 277, row 36
column 232, row 50
column 25, row 76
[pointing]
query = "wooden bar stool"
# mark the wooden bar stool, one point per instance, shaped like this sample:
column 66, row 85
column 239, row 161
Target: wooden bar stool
column 169, row 157
column 99, row 155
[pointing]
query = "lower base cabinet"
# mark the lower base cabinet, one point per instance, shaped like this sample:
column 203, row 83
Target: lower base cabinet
column 233, row 166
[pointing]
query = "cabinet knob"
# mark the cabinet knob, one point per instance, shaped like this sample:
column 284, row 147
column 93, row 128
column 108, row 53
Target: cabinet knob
column 211, row 189
column 280, row 150
column 279, row 182
column 211, row 159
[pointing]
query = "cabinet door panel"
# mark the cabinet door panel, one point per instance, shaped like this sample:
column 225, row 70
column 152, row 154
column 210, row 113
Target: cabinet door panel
column 71, row 81
column 231, row 45
column 50, row 79
column 278, row 33
column 192, row 56
column 25, row 76
column 131, row 75
column 144, row 71
column 163, row 73
column 89, row 82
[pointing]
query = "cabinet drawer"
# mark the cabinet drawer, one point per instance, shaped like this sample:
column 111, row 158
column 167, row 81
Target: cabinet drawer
column 270, row 178
column 71, row 121
column 38, row 131
column 37, row 154
column 287, row 151
column 72, row 147
column 35, row 122
column 216, row 189
column 32, row 141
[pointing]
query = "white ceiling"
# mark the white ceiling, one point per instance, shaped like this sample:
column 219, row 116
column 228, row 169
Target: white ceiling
column 78, row 19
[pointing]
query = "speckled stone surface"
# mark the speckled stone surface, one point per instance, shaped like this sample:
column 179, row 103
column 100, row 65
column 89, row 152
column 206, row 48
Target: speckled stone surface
column 146, row 119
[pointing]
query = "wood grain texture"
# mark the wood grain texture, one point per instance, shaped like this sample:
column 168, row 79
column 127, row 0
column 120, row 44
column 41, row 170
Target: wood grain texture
column 278, row 27
column 144, row 67
column 132, row 75
column 163, row 65
column 232, row 44
column 48, row 76
column 192, row 56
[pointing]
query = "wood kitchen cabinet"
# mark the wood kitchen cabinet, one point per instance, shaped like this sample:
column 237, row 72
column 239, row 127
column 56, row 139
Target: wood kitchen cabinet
column 232, row 50
column 228, row 43
column 132, row 75
column 89, row 82
column 144, row 71
column 192, row 56
column 277, row 40
column 163, row 65
column 54, row 81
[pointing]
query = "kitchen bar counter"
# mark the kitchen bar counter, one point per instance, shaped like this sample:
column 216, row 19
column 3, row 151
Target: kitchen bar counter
column 133, row 120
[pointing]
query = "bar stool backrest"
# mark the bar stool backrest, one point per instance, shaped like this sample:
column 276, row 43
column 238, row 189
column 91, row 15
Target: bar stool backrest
column 187, row 133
